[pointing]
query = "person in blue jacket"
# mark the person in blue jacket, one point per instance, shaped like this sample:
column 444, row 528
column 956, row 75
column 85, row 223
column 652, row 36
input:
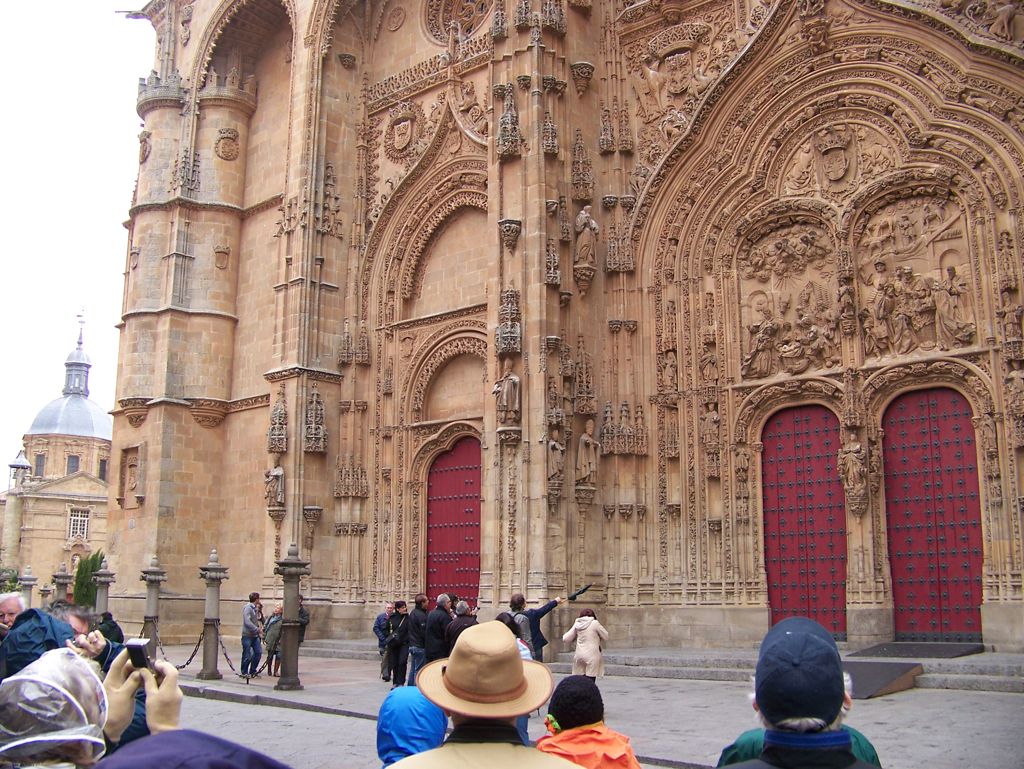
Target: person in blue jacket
column 408, row 723
column 37, row 631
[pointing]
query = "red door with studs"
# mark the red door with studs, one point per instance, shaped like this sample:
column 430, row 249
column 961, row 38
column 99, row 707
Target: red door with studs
column 453, row 523
column 933, row 516
column 804, row 517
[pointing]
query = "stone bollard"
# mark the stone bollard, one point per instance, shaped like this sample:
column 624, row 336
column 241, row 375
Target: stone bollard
column 214, row 574
column 152, row 576
column 26, row 582
column 61, row 582
column 291, row 568
column 44, row 596
column 103, row 578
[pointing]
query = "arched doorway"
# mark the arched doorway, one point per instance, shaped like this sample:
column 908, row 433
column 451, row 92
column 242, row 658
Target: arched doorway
column 933, row 516
column 453, row 522
column 804, row 517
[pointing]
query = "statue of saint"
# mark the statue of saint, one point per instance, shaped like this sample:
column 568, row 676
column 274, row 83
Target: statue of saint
column 587, row 455
column 506, row 395
column 852, row 466
column 274, row 483
column 556, row 455
column 586, row 238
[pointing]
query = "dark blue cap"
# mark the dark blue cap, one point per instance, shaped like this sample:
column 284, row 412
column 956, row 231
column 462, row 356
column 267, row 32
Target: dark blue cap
column 799, row 673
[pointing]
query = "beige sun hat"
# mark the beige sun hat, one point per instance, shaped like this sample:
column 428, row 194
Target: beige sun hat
column 485, row 676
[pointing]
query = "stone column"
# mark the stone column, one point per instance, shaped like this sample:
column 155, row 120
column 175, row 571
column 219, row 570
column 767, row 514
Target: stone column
column 213, row 573
column 61, row 582
column 26, row 582
column 103, row 578
column 44, row 596
column 291, row 568
column 152, row 576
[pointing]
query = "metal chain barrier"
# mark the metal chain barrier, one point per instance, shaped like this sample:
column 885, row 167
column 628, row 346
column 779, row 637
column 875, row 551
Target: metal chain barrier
column 163, row 652
column 220, row 640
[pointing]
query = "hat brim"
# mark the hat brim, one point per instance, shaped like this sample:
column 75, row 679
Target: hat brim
column 539, row 685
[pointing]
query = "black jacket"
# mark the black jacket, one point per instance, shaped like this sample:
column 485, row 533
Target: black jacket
column 111, row 631
column 820, row 750
column 535, row 616
column 417, row 627
column 436, row 646
column 457, row 625
column 398, row 630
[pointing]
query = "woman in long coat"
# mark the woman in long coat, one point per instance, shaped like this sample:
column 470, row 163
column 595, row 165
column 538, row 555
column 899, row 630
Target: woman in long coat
column 589, row 635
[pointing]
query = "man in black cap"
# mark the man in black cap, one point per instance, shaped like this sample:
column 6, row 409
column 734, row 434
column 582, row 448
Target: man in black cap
column 801, row 697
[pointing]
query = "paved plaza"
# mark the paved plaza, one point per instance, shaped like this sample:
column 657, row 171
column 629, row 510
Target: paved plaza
column 671, row 722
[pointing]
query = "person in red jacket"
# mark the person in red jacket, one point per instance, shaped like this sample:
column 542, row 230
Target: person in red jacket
column 578, row 733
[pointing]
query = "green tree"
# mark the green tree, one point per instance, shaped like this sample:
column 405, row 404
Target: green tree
column 85, row 588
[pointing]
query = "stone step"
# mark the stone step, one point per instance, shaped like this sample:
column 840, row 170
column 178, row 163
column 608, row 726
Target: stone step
column 980, row 672
column 973, row 683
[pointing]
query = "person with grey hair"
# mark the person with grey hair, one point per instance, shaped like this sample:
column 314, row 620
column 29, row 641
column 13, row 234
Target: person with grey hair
column 11, row 605
column 437, row 622
column 463, row 619
column 801, row 697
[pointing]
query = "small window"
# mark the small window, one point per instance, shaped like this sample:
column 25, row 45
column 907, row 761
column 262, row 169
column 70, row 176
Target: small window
column 78, row 523
column 40, row 468
column 103, row 470
column 73, row 462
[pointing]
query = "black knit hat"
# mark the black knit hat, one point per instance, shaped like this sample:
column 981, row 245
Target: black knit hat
column 576, row 701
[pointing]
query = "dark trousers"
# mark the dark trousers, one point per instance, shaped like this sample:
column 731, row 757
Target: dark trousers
column 385, row 662
column 399, row 657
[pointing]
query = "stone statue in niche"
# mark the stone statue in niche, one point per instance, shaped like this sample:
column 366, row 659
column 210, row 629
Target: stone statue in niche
column 708, row 364
column 760, row 359
column 710, row 422
column 670, row 372
column 587, row 454
column 586, row 238
column 853, row 468
column 556, row 455
column 274, row 484
column 951, row 328
column 1011, row 316
column 506, row 395
column 742, row 465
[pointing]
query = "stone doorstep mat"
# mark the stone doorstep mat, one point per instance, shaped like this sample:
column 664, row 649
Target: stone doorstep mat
column 916, row 649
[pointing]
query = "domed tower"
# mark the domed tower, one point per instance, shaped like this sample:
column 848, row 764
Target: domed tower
column 56, row 510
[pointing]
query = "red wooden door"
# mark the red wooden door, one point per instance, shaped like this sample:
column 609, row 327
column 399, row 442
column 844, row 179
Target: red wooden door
column 453, row 522
column 933, row 516
column 804, row 517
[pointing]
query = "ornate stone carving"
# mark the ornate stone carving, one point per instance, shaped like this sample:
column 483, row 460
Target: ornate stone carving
column 221, row 256
column 552, row 264
column 327, row 213
column 226, row 146
column 552, row 16
column 361, row 355
column 508, row 336
column 582, row 170
column 134, row 410
column 351, row 478
column 509, row 143
column 506, row 393
column 555, row 467
column 314, row 437
column 208, row 412
column 549, row 135
column 145, row 145
column 606, row 136
column 625, row 132
column 509, row 230
column 584, row 395
column 564, row 224
column 466, row 16
column 499, row 22
column 582, row 72
column 277, row 434
column 346, row 347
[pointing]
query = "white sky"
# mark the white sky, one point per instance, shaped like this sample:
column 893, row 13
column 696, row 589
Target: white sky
column 70, row 71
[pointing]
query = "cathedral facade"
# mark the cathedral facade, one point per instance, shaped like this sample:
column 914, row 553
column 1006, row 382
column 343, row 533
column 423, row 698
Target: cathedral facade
column 712, row 306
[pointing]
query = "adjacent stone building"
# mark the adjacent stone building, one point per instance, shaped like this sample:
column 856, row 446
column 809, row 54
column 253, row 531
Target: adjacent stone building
column 714, row 306
column 55, row 513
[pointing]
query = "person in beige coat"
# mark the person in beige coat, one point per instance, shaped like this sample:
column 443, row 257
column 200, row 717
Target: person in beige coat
column 589, row 635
